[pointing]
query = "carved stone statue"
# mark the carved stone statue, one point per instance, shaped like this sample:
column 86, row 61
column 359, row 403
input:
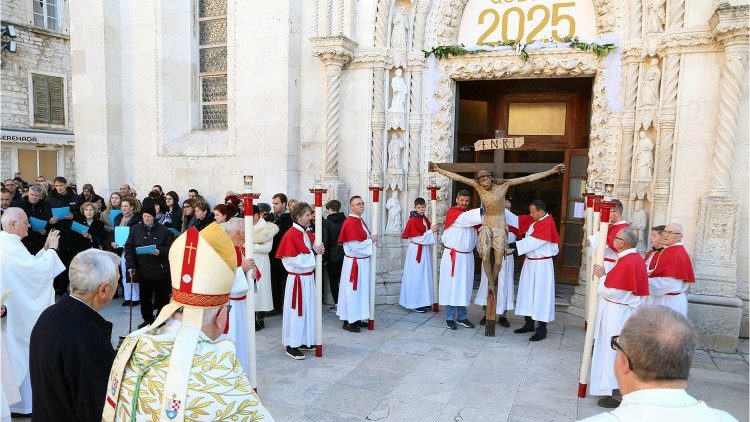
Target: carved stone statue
column 394, row 214
column 395, row 145
column 399, row 89
column 639, row 221
column 644, row 158
column 399, row 28
column 650, row 94
column 655, row 16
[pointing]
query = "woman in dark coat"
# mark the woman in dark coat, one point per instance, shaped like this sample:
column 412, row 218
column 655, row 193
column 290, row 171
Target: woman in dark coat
column 94, row 237
column 35, row 206
column 128, row 218
column 172, row 213
column 203, row 216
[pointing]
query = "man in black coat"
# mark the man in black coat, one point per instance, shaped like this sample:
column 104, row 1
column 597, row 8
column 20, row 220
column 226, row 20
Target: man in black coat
column 281, row 218
column 333, row 258
column 35, row 206
column 152, row 269
column 71, row 346
column 64, row 196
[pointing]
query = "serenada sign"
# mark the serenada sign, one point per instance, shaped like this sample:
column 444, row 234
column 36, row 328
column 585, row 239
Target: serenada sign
column 525, row 21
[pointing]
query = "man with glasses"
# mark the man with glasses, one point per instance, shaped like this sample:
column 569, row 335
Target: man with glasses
column 672, row 272
column 616, row 223
column 29, row 279
column 620, row 292
column 653, row 354
column 16, row 199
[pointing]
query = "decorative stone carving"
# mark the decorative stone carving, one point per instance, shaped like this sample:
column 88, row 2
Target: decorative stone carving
column 394, row 214
column 396, row 118
column 399, row 28
column 676, row 13
column 655, row 16
column 395, row 169
column 381, row 22
column 650, row 95
column 378, row 126
column 639, row 221
column 636, row 18
column 630, row 100
column 660, row 195
column 644, row 159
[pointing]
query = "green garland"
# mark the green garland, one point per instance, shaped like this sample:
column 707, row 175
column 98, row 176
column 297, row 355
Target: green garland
column 447, row 51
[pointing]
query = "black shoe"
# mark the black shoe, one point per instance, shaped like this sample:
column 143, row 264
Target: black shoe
column 274, row 312
column 609, row 402
column 538, row 335
column 451, row 325
column 528, row 326
column 360, row 324
column 503, row 321
column 420, row 310
column 294, row 353
column 126, row 303
column 483, row 320
column 259, row 325
column 143, row 324
column 352, row 328
column 135, row 302
column 465, row 323
column 306, row 347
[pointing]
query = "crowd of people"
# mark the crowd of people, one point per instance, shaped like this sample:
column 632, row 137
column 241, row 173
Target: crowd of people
column 148, row 251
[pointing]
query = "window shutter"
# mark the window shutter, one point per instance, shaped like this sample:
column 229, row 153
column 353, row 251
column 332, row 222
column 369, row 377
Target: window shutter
column 57, row 101
column 41, row 99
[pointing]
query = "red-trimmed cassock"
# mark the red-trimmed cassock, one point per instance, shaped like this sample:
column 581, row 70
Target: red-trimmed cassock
column 670, row 277
column 457, row 263
column 416, row 282
column 536, row 285
column 620, row 293
column 296, row 254
column 610, row 253
column 354, row 286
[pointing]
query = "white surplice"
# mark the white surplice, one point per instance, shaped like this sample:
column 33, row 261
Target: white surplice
column 610, row 255
column 613, row 309
column 298, row 330
column 660, row 292
column 29, row 278
column 354, row 305
column 504, row 290
column 416, row 281
column 239, row 327
column 462, row 237
column 536, row 285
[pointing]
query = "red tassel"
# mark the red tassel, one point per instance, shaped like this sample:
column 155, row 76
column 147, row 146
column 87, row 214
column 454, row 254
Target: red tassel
column 419, row 253
column 297, row 295
column 453, row 261
column 354, row 274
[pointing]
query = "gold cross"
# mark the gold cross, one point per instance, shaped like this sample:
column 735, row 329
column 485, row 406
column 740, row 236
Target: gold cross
column 191, row 248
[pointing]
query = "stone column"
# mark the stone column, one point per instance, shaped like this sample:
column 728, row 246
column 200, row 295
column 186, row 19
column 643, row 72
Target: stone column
column 413, row 180
column 665, row 146
column 714, row 306
column 627, row 123
column 334, row 52
column 378, row 125
column 636, row 18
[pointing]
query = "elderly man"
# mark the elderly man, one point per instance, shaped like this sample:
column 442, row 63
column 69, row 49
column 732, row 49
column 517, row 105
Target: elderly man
column 71, row 344
column 177, row 367
column 620, row 291
column 616, row 222
column 672, row 273
column 29, row 279
column 654, row 352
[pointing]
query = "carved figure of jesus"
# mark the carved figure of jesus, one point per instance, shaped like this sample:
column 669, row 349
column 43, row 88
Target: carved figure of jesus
column 398, row 86
column 493, row 234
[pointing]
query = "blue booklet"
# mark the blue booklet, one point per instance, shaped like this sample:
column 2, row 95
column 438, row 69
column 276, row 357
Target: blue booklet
column 60, row 212
column 36, row 224
column 79, row 228
column 112, row 215
column 145, row 250
column 174, row 230
column 121, row 235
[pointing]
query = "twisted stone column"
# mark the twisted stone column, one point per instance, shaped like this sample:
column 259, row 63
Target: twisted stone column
column 665, row 146
column 636, row 18
column 676, row 14
column 381, row 23
column 628, row 130
column 378, row 125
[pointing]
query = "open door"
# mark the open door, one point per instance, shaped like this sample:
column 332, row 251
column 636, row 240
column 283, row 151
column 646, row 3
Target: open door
column 571, row 217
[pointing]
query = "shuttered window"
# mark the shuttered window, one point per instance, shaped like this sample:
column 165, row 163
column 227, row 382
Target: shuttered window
column 49, row 100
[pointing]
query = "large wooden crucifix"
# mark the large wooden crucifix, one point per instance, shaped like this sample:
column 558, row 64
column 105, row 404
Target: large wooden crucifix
column 493, row 235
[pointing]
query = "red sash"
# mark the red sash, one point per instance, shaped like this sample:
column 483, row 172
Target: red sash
column 297, row 291
column 453, row 259
column 354, row 273
column 419, row 251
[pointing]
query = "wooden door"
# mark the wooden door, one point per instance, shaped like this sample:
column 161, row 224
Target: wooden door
column 571, row 216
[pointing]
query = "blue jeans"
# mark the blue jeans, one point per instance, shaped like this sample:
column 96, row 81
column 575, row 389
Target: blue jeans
column 457, row 313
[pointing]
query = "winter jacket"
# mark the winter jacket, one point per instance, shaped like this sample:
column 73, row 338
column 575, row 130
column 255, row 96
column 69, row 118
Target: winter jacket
column 331, row 230
column 148, row 267
column 69, row 199
column 34, row 242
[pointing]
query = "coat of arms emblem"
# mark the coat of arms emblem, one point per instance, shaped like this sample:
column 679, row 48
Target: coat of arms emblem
column 173, row 407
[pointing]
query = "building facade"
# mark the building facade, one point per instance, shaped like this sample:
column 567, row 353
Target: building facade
column 37, row 130
column 194, row 94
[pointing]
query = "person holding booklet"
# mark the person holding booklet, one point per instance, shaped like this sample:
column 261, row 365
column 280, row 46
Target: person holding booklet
column 39, row 213
column 89, row 231
column 122, row 224
column 108, row 218
column 147, row 254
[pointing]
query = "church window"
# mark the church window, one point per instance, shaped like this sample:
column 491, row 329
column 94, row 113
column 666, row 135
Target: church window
column 47, row 14
column 212, row 62
column 49, row 99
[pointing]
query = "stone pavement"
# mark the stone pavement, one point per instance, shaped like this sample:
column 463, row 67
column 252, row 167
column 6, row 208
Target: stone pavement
column 411, row 368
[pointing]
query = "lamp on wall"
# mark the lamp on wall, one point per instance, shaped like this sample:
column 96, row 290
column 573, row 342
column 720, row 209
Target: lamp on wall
column 609, row 190
column 8, row 34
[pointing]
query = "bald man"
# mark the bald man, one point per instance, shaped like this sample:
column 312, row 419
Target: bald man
column 672, row 272
column 124, row 189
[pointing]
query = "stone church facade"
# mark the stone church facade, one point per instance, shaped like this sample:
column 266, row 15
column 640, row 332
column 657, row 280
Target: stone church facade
column 194, row 94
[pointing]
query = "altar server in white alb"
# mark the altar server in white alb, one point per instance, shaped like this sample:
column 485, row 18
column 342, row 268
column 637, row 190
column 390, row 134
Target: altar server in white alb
column 536, row 286
column 416, row 282
column 616, row 223
column 28, row 279
column 353, row 307
column 620, row 291
column 297, row 254
column 457, row 263
column 504, row 290
column 672, row 272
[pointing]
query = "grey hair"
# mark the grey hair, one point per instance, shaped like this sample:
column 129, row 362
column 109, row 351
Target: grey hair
column 235, row 225
column 630, row 236
column 10, row 215
column 92, row 268
column 38, row 189
column 618, row 206
column 660, row 343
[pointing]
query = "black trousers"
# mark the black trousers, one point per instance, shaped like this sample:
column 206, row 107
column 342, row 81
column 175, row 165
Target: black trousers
column 62, row 281
column 278, row 286
column 159, row 290
column 334, row 276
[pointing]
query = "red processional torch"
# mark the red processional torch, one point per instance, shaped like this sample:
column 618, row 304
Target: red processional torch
column 433, row 188
column 375, row 188
column 247, row 199
column 318, row 192
column 602, row 207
